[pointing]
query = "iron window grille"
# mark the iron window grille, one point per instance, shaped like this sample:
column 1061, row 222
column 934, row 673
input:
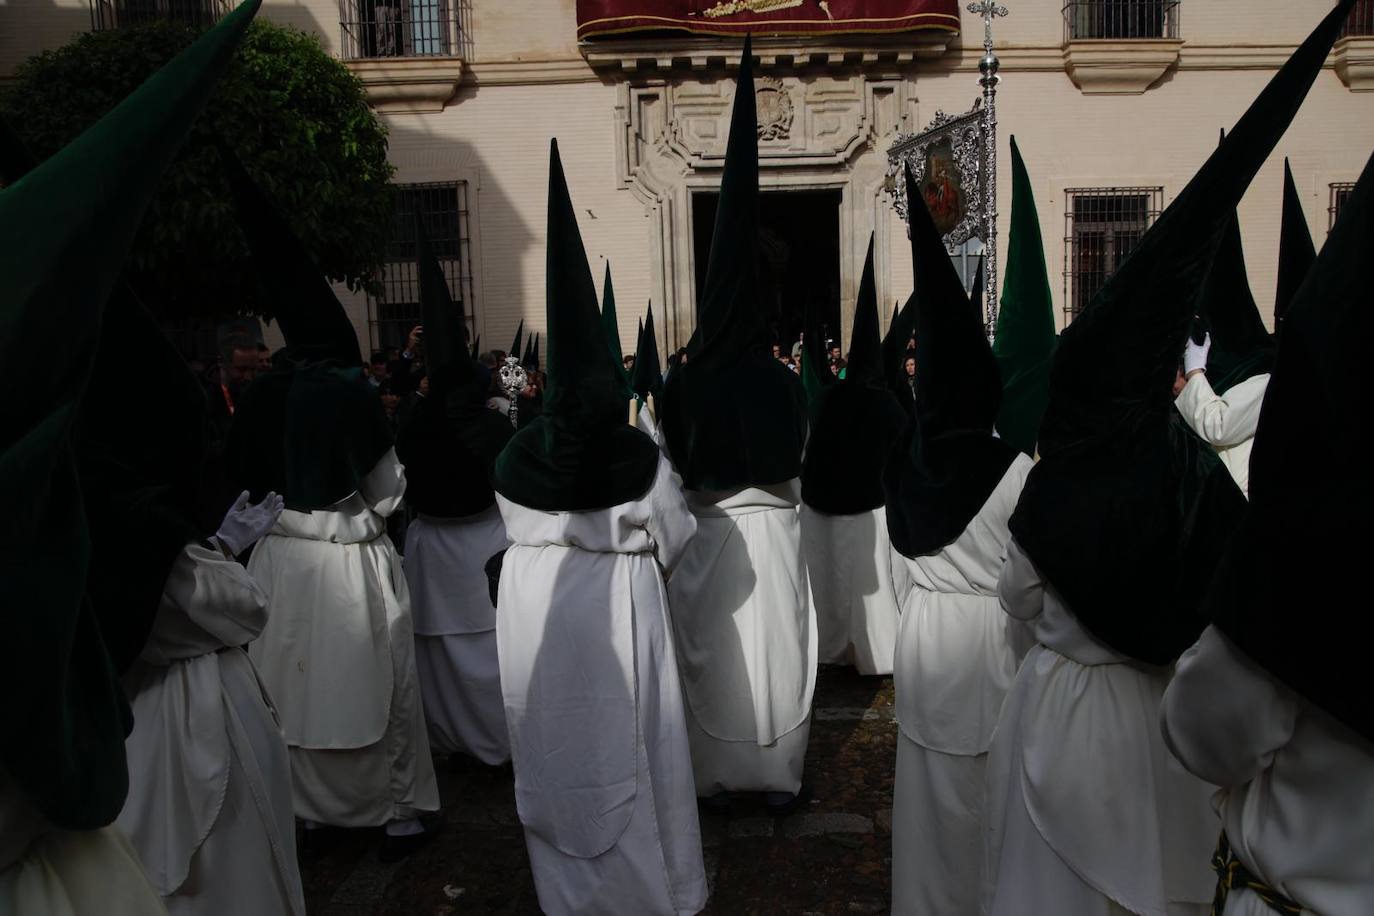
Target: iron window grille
column 1361, row 19
column 399, row 28
column 1102, row 225
column 114, row 14
column 443, row 208
column 1340, row 193
column 1118, row 19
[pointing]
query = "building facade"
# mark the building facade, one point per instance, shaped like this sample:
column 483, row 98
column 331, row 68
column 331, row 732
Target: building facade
column 1114, row 104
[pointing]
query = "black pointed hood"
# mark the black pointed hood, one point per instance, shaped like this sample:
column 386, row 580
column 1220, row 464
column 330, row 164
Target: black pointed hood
column 1296, row 251
column 948, row 462
column 648, row 375
column 975, row 296
column 449, row 440
column 895, row 354
column 855, row 420
column 66, row 229
column 535, row 353
column 476, row 348
column 1026, row 339
column 518, row 341
column 733, row 416
column 580, row 454
column 1309, row 486
column 1241, row 345
column 312, row 320
column 1126, row 512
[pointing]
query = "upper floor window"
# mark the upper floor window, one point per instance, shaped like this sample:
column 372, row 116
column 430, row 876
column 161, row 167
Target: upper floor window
column 1361, row 19
column 442, row 206
column 399, row 28
column 1340, row 193
column 1102, row 225
column 1118, row 19
column 113, row 14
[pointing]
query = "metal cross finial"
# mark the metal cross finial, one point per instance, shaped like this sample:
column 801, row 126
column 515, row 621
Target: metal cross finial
column 988, row 67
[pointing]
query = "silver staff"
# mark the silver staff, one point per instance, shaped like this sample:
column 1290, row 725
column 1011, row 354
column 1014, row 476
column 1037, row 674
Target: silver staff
column 988, row 67
column 513, row 380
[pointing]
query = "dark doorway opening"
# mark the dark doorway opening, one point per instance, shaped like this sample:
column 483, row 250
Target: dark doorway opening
column 799, row 257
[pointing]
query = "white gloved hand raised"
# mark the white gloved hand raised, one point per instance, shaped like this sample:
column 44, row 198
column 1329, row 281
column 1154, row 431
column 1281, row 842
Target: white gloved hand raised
column 1195, row 354
column 245, row 524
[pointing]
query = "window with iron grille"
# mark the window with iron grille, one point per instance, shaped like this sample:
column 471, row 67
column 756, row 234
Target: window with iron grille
column 1102, row 225
column 1361, row 19
column 443, row 208
column 399, row 28
column 114, row 14
column 1340, row 193
column 1116, row 19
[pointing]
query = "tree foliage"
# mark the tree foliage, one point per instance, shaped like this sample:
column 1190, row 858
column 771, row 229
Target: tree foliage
column 297, row 118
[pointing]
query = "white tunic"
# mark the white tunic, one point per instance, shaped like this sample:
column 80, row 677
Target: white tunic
column 1298, row 796
column 338, row 658
column 455, row 632
column 209, row 807
column 1088, row 812
column 849, row 566
column 53, row 872
column 957, row 654
column 1227, row 422
column 603, row 780
column 746, row 640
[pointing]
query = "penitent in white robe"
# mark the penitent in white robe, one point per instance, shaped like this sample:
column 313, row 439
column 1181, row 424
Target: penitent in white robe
column 338, row 659
column 1088, row 812
column 849, row 566
column 1298, row 796
column 957, row 654
column 209, row 807
column 1226, row 422
column 455, row 632
column 54, row 872
column 603, row 773
column 746, row 640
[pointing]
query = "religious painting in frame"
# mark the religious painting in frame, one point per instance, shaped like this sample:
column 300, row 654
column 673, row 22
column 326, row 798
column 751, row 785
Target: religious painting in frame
column 947, row 163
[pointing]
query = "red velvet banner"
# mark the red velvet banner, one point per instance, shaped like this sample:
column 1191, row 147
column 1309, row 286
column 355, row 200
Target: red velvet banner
column 609, row 18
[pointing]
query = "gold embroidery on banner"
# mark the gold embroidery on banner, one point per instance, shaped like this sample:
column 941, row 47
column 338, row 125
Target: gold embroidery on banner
column 731, row 7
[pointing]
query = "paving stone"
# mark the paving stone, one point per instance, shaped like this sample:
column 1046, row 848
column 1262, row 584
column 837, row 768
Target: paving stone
column 751, row 826
column 854, row 714
column 819, row 824
column 884, row 820
column 364, row 888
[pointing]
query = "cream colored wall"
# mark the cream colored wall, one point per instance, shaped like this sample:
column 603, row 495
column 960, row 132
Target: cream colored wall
column 494, row 133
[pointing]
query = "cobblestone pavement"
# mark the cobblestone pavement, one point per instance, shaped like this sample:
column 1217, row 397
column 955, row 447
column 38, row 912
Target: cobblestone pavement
column 832, row 856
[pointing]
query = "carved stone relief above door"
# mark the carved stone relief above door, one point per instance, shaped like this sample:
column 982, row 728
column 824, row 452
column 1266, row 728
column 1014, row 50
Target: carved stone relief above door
column 814, row 132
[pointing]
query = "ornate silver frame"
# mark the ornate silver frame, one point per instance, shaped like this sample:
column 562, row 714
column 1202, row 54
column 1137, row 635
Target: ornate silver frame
column 964, row 133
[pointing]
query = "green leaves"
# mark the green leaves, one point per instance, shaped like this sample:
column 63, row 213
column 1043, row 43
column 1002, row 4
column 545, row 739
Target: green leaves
column 297, row 118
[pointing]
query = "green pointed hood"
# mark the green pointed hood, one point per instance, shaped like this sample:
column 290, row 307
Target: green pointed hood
column 66, row 228
column 1025, row 341
column 1241, row 345
column 312, row 320
column 449, row 440
column 1296, row 251
column 312, row 428
column 648, row 374
column 612, row 326
column 855, row 420
column 948, row 461
column 733, row 416
column 1127, row 511
column 580, row 454
column 975, row 295
column 1308, row 480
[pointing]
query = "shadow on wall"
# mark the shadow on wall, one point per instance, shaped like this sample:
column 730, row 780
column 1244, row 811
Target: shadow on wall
column 507, row 286
column 29, row 27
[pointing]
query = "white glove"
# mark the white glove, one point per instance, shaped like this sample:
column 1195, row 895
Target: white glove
column 245, row 523
column 1195, row 354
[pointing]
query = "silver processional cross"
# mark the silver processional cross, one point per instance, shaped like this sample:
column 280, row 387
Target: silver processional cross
column 988, row 67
